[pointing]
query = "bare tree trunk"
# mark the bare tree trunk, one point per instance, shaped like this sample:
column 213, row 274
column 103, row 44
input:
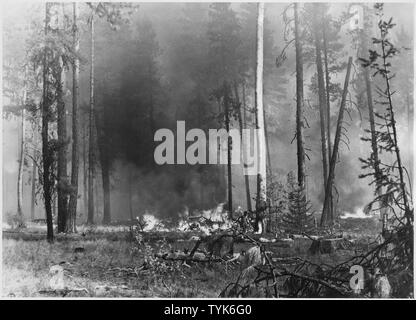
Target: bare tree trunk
column 266, row 138
column 91, row 169
column 21, row 160
column 229, row 146
column 243, row 146
column 46, row 156
column 299, row 102
column 62, row 152
column 130, row 199
column 72, row 212
column 34, row 168
column 328, row 110
column 201, row 167
column 85, row 169
column 322, row 104
column 105, row 172
column 337, row 139
column 410, row 133
column 246, row 177
column 261, row 200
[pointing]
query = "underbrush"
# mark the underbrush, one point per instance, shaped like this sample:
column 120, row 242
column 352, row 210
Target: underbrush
column 105, row 268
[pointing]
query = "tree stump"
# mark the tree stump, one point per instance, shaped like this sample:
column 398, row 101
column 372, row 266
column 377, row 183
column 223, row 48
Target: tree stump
column 326, row 245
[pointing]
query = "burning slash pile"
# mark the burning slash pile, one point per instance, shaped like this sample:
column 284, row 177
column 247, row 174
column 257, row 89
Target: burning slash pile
column 261, row 273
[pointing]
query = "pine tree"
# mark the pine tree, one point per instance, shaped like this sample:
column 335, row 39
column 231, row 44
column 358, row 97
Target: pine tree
column 298, row 218
column 393, row 177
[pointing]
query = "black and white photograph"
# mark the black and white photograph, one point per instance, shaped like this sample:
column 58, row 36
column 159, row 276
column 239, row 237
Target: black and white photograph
column 207, row 150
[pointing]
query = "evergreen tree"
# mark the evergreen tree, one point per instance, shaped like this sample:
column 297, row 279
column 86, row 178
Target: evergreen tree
column 298, row 218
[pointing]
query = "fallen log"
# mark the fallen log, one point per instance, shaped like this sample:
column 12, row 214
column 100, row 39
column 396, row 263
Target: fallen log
column 188, row 258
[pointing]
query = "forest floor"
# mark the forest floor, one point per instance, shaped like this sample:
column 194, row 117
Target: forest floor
column 109, row 263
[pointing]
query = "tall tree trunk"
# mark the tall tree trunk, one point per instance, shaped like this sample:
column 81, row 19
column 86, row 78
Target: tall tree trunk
column 71, row 224
column 322, row 103
column 105, row 172
column 21, row 160
column 299, row 102
column 229, row 146
column 200, row 167
column 328, row 109
column 105, row 166
column 374, row 147
column 408, row 212
column 85, row 168
column 33, row 186
column 46, row 156
column 130, row 198
column 246, row 177
column 337, row 139
column 266, row 136
column 91, row 164
column 410, row 133
column 62, row 151
column 261, row 200
column 243, row 146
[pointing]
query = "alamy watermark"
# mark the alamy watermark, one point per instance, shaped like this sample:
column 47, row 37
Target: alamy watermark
column 194, row 147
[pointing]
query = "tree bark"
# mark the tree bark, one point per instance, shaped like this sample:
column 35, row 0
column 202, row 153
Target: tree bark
column 85, row 167
column 246, row 177
column 62, row 151
column 299, row 102
column 21, row 160
column 91, row 165
column 229, row 146
column 408, row 212
column 46, row 156
column 33, row 186
column 130, row 198
column 243, row 146
column 266, row 138
column 328, row 109
column 261, row 200
column 374, row 147
column 105, row 172
column 71, row 223
column 337, row 140
column 322, row 103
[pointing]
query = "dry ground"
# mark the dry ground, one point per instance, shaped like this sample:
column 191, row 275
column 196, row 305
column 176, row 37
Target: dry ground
column 112, row 265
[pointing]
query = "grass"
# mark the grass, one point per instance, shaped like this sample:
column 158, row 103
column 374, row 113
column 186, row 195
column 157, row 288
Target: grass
column 101, row 270
column 110, row 263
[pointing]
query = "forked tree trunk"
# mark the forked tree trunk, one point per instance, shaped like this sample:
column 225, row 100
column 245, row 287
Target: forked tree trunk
column 337, row 139
column 322, row 104
column 72, row 210
column 328, row 109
